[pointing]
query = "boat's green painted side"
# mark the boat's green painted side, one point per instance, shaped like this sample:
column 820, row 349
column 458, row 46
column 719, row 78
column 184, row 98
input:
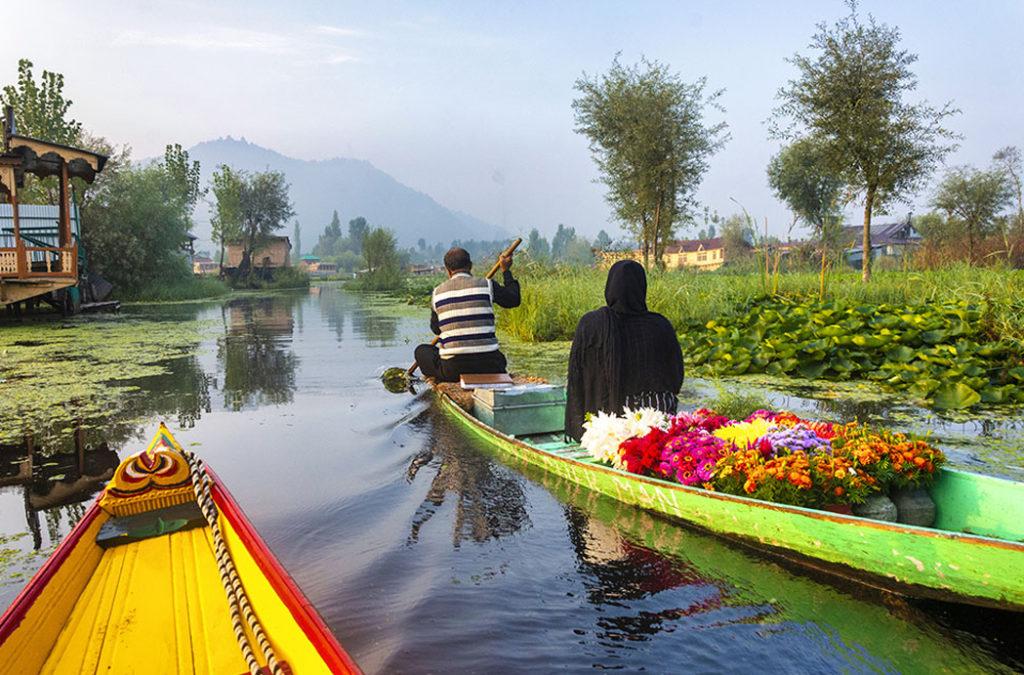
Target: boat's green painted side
column 873, row 636
column 918, row 561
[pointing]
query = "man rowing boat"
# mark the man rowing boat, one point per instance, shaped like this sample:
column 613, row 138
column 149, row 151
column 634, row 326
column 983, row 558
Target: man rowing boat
column 462, row 315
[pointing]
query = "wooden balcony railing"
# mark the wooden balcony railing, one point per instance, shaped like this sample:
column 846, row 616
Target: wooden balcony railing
column 37, row 262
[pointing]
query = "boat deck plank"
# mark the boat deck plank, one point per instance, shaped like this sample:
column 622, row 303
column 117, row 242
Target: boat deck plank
column 159, row 601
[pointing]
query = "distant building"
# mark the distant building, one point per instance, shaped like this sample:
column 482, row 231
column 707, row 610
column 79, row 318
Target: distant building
column 699, row 254
column 204, row 266
column 274, row 253
column 424, row 270
column 888, row 240
column 315, row 267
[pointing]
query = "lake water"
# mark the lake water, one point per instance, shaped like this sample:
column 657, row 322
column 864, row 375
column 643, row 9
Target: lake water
column 424, row 552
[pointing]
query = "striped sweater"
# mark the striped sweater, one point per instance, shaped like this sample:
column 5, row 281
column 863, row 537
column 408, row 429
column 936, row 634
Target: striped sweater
column 465, row 316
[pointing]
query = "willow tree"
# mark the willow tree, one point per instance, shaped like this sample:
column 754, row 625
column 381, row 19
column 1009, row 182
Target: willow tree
column 973, row 199
column 851, row 93
column 651, row 143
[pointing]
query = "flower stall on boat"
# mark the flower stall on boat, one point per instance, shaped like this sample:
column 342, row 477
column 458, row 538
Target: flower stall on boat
column 773, row 456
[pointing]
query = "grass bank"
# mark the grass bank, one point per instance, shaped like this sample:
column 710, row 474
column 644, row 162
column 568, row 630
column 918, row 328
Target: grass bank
column 555, row 299
column 178, row 290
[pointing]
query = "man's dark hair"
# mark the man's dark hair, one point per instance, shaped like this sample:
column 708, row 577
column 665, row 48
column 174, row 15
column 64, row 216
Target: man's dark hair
column 457, row 260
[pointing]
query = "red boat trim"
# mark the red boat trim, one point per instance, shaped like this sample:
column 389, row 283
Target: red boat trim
column 14, row 615
column 977, row 539
column 333, row 654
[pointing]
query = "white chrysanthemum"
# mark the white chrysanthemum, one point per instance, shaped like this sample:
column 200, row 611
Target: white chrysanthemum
column 642, row 420
column 602, row 435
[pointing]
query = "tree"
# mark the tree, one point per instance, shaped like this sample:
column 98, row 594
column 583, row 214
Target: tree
column 800, row 175
column 422, row 244
column 184, row 176
column 226, row 220
column 850, row 95
column 737, row 236
column 383, row 266
column 538, row 246
column 1010, row 162
column 358, row 228
column 265, row 207
column 135, row 230
column 603, row 241
column 560, row 242
column 973, row 198
column 41, row 111
column 297, row 236
column 651, row 144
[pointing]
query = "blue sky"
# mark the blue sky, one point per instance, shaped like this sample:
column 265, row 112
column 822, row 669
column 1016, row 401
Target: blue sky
column 470, row 102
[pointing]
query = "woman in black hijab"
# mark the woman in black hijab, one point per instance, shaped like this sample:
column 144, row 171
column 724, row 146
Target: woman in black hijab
column 622, row 355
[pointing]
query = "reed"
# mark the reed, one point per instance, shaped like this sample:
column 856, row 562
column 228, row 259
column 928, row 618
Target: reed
column 554, row 299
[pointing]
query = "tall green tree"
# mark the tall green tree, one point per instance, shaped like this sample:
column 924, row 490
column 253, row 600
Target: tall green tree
column 602, row 242
column 265, row 208
column 183, row 173
column 226, row 221
column 649, row 138
column 41, row 111
column 538, row 246
column 297, row 236
column 738, row 236
column 801, row 176
column 358, row 228
column 851, row 94
column 1009, row 161
column 560, row 243
column 973, row 199
column 383, row 265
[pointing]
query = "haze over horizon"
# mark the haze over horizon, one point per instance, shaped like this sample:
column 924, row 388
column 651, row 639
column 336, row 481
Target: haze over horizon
column 471, row 104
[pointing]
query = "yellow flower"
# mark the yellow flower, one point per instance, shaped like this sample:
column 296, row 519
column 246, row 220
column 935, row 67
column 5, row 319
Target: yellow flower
column 744, row 434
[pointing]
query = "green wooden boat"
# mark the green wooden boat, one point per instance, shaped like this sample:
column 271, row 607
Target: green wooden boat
column 974, row 554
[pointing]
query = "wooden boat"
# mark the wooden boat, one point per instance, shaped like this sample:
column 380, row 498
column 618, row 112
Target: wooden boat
column 974, row 554
column 139, row 586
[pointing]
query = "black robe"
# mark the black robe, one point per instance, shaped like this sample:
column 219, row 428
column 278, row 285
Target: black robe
column 622, row 354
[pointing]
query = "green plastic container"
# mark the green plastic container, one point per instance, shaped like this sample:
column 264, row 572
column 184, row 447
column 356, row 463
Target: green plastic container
column 522, row 410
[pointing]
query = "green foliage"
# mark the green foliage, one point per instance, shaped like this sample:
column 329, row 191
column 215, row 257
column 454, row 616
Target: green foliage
column 972, row 199
column 850, row 95
column 651, row 144
column 41, row 111
column 801, row 177
column 383, row 266
column 264, row 207
column 538, row 246
column 186, row 287
column 554, row 298
column 288, row 277
column 1010, row 161
column 133, row 228
column 183, row 173
column 943, row 354
column 226, row 219
column 736, row 404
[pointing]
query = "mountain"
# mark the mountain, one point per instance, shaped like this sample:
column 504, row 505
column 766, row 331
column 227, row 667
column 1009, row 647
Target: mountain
column 354, row 187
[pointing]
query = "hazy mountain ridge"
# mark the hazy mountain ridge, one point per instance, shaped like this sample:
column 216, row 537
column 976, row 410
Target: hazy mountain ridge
column 352, row 186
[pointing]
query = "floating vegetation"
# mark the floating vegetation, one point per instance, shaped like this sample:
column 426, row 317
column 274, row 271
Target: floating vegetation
column 55, row 376
column 943, row 355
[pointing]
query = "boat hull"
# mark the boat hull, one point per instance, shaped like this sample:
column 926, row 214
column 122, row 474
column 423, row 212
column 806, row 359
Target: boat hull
column 920, row 562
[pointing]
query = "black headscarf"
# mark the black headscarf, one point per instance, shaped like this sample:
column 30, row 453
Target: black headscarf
column 620, row 350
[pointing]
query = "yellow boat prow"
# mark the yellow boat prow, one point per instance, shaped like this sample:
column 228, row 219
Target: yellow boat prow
column 157, row 605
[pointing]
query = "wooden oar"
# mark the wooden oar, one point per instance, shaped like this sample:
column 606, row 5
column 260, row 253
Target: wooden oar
column 396, row 380
column 494, row 270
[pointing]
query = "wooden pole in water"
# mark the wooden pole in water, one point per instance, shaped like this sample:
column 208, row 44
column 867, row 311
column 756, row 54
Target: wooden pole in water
column 494, row 270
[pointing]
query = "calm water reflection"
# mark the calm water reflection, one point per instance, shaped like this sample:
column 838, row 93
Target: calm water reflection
column 425, row 553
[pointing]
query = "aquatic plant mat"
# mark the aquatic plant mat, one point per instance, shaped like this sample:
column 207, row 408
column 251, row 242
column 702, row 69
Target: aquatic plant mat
column 60, row 375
